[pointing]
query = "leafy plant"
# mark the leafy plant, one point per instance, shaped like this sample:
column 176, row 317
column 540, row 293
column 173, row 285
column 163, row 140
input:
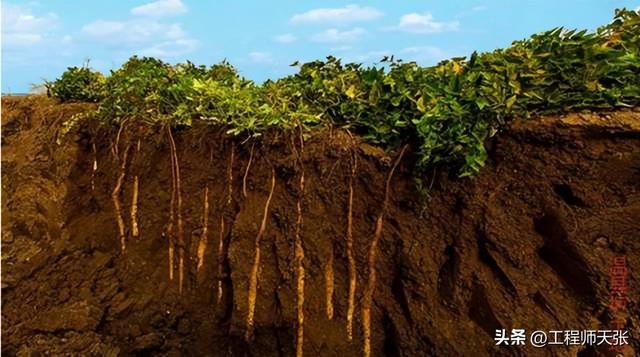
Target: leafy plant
column 78, row 84
column 448, row 110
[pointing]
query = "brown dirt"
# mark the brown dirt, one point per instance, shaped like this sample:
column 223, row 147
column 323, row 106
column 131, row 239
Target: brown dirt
column 527, row 244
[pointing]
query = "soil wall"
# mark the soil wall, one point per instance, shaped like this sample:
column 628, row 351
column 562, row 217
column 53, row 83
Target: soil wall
column 526, row 244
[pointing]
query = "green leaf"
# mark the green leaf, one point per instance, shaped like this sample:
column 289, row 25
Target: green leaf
column 481, row 103
column 420, row 105
column 351, row 92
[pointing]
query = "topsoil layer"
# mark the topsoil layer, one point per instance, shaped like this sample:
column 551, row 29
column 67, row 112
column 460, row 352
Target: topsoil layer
column 526, row 244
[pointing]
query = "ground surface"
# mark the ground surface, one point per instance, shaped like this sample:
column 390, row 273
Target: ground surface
column 527, row 244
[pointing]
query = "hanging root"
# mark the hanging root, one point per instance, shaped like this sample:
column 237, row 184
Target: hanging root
column 178, row 195
column 180, row 226
column 350, row 258
column 135, row 232
column 371, row 282
column 94, row 168
column 220, row 260
column 246, row 172
column 230, row 176
column 299, row 258
column 221, row 244
column 202, row 245
column 116, row 145
column 253, row 279
column 170, row 236
column 171, row 257
column 115, row 196
column 328, row 277
column 134, row 200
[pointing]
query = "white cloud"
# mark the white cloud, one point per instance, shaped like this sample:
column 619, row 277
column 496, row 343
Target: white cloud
column 286, row 38
column 350, row 13
column 29, row 37
column 423, row 54
column 479, row 8
column 103, row 28
column 20, row 28
column 335, row 35
column 341, row 48
column 261, row 57
column 160, row 8
column 424, row 23
column 144, row 36
column 175, row 31
column 171, row 48
column 20, row 39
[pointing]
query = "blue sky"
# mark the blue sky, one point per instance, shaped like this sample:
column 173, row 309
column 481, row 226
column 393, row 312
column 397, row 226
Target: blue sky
column 261, row 38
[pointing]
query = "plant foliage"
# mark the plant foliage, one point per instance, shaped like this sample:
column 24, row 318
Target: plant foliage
column 449, row 109
column 78, row 84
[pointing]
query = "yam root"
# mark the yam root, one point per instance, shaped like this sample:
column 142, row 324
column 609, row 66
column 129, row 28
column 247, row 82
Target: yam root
column 253, row 278
column 371, row 261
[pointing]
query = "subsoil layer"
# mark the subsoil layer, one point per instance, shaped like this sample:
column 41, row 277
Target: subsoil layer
column 526, row 244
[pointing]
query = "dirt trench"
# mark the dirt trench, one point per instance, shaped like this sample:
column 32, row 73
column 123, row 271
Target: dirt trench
column 526, row 244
